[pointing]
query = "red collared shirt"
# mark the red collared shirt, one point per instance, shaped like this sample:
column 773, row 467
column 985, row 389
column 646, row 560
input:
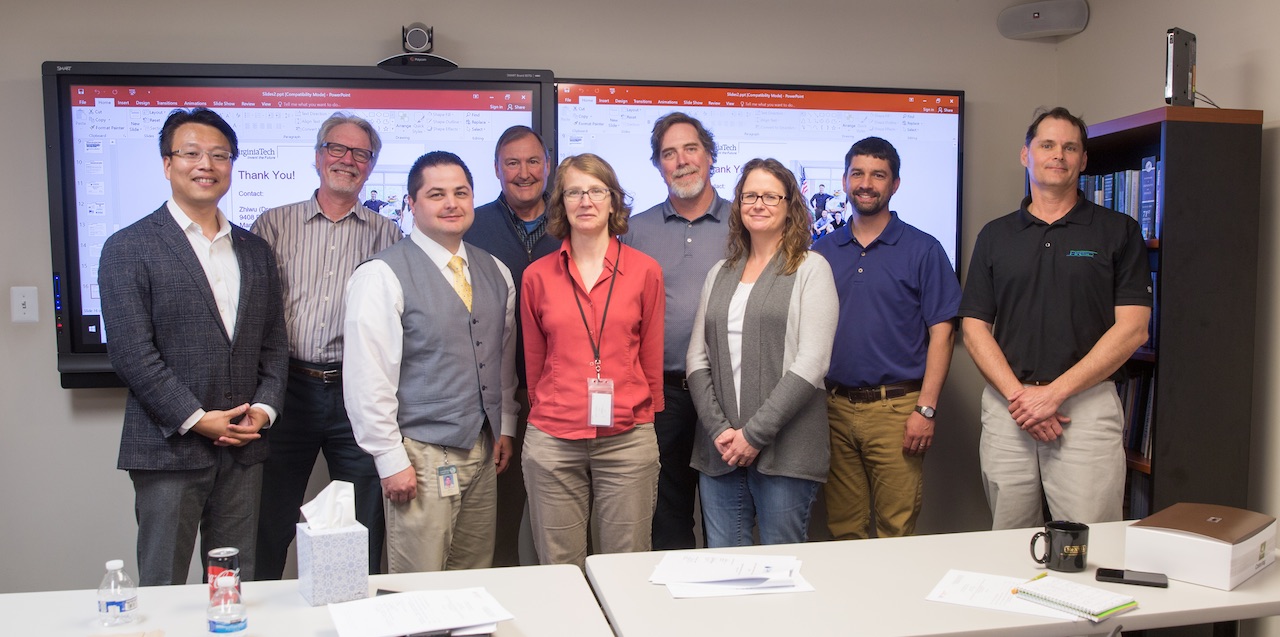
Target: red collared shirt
column 558, row 353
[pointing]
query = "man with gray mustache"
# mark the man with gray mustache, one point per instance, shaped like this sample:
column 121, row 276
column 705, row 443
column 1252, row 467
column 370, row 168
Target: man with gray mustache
column 686, row 234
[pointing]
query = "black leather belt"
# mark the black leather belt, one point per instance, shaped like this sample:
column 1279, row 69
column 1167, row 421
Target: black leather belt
column 873, row 394
column 1036, row 383
column 326, row 373
column 675, row 379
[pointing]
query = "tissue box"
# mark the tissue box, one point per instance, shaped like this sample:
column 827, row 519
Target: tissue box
column 1207, row 544
column 333, row 564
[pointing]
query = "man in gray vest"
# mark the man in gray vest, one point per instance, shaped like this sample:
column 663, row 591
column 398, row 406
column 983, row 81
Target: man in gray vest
column 430, row 376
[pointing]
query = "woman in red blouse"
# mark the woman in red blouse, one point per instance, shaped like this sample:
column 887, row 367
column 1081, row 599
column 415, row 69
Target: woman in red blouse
column 592, row 319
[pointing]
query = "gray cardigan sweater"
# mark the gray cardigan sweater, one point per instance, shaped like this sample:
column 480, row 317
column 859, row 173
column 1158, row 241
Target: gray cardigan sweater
column 787, row 333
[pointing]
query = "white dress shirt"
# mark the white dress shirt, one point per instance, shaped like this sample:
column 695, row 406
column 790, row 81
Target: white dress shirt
column 218, row 260
column 374, row 348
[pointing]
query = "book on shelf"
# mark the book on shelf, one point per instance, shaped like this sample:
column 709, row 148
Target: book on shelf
column 1148, row 414
column 1147, row 198
column 1153, row 327
column 1137, row 399
column 1090, row 602
column 1132, row 192
column 1139, row 495
column 1159, row 216
column 1121, row 191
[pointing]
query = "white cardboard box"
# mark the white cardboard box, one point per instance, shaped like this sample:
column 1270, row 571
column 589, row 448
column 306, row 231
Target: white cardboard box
column 1206, row 544
column 333, row 564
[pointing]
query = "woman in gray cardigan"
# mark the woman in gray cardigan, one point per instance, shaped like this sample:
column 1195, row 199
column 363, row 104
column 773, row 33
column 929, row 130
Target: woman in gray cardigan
column 760, row 347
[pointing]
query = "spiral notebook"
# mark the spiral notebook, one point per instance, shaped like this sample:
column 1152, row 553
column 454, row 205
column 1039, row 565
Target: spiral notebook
column 1090, row 602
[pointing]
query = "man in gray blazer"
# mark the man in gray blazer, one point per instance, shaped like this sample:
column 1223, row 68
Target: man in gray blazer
column 195, row 324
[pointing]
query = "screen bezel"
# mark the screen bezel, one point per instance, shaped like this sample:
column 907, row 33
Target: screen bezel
column 82, row 364
column 747, row 86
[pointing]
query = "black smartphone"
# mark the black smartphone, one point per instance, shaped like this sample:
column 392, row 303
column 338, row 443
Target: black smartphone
column 1140, row 578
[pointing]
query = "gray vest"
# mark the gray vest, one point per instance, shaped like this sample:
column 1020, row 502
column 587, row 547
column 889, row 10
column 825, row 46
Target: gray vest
column 451, row 367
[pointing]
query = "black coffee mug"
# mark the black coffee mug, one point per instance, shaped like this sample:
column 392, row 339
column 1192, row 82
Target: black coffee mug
column 1065, row 548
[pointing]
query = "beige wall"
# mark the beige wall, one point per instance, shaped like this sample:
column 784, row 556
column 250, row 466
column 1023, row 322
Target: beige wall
column 1115, row 67
column 66, row 509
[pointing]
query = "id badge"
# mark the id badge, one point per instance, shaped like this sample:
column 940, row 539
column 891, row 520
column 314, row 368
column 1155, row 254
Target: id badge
column 447, row 478
column 600, row 402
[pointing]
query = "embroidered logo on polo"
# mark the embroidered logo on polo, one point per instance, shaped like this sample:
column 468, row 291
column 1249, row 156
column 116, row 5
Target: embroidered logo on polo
column 1088, row 254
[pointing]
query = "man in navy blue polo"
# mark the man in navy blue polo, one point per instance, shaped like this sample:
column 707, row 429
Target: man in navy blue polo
column 898, row 298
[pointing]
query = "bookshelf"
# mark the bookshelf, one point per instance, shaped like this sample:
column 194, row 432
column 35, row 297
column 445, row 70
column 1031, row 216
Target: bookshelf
column 1199, row 365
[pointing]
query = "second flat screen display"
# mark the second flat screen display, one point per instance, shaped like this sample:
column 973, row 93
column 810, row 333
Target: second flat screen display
column 808, row 129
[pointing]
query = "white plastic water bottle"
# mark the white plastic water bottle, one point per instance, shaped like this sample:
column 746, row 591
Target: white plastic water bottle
column 117, row 596
column 226, row 611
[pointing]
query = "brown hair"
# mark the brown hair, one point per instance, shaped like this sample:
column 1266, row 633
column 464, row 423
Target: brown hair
column 594, row 166
column 795, row 230
column 1063, row 114
column 664, row 124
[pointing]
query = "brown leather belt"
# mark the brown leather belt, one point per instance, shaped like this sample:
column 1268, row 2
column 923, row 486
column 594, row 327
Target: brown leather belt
column 873, row 394
column 676, row 380
column 329, row 374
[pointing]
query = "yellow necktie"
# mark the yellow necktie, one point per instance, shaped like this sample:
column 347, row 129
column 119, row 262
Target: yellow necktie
column 460, row 284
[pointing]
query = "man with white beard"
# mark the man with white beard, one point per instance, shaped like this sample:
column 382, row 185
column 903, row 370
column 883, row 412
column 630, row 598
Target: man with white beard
column 686, row 234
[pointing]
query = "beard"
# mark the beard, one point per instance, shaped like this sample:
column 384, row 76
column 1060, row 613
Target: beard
column 690, row 191
column 341, row 183
column 881, row 203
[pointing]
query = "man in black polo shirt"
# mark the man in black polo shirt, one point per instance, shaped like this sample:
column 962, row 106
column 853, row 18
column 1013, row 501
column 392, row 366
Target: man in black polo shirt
column 1058, row 297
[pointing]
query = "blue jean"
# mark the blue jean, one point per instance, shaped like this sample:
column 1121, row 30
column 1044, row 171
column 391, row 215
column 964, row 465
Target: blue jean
column 314, row 420
column 736, row 501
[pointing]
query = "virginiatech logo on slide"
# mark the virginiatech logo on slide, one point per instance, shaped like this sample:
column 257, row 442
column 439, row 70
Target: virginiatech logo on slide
column 1088, row 254
column 258, row 153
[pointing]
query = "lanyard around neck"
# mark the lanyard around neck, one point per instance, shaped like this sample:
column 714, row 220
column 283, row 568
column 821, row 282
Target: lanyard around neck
column 595, row 344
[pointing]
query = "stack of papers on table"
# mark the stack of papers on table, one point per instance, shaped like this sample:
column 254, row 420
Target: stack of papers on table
column 724, row 574
column 467, row 611
column 982, row 590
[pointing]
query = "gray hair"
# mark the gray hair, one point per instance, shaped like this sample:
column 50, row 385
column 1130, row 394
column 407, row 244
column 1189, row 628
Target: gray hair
column 342, row 117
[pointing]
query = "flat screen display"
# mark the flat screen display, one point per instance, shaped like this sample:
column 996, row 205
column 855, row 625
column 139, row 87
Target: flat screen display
column 808, row 129
column 105, row 171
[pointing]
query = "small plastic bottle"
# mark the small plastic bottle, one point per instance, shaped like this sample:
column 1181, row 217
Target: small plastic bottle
column 117, row 596
column 226, row 611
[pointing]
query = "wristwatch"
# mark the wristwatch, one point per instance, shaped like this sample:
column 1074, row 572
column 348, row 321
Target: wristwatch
column 927, row 412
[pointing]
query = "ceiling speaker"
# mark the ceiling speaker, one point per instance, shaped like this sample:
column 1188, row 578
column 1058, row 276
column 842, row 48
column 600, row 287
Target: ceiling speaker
column 1044, row 19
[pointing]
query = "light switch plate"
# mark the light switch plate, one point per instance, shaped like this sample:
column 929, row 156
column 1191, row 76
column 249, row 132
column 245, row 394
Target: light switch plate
column 22, row 300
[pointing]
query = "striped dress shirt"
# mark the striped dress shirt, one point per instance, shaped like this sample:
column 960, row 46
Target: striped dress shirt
column 316, row 257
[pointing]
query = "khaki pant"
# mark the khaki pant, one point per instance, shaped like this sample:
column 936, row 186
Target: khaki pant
column 867, row 460
column 445, row 533
column 611, row 481
column 1082, row 472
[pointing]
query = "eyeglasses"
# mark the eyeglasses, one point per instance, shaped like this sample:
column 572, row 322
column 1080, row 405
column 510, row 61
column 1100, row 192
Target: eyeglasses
column 770, row 199
column 336, row 151
column 193, row 155
column 596, row 194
